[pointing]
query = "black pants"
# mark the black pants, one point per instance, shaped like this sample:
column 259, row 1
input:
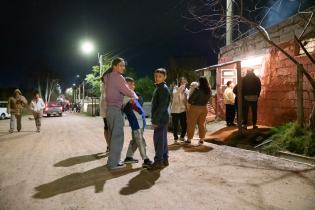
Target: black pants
column 253, row 106
column 229, row 113
column 176, row 118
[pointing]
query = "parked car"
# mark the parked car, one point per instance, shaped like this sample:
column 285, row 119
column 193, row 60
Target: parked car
column 53, row 108
column 3, row 110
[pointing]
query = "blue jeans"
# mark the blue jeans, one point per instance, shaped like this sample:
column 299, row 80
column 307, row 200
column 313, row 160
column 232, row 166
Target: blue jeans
column 115, row 122
column 160, row 143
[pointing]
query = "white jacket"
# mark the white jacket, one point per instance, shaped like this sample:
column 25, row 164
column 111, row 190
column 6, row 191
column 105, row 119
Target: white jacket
column 103, row 105
column 228, row 96
column 179, row 99
column 38, row 106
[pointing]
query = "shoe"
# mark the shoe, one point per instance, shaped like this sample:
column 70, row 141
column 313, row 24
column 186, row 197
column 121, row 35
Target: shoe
column 147, row 163
column 166, row 163
column 201, row 142
column 19, row 130
column 175, row 141
column 182, row 139
column 107, row 150
column 233, row 124
column 255, row 126
column 10, row 131
column 118, row 166
column 187, row 141
column 156, row 166
column 244, row 127
column 130, row 160
column 37, row 130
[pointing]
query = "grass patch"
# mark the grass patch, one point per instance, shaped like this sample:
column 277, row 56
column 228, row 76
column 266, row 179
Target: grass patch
column 290, row 137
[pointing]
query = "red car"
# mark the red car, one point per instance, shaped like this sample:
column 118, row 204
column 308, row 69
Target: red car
column 53, row 108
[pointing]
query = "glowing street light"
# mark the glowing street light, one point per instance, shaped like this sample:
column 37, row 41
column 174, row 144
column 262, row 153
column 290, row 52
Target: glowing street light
column 87, row 47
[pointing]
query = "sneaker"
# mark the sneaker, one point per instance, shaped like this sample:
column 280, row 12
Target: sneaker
column 201, row 142
column 10, row 131
column 147, row 163
column 118, row 166
column 182, row 139
column 156, row 166
column 166, row 163
column 187, row 141
column 130, row 160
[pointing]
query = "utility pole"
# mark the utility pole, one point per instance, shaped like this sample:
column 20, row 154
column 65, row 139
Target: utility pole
column 229, row 23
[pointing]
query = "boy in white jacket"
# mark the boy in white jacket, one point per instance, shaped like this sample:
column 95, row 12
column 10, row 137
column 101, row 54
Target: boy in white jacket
column 37, row 107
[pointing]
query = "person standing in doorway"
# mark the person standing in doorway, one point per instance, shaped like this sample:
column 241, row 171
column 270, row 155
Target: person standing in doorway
column 116, row 89
column 198, row 111
column 178, row 109
column 160, row 116
column 229, row 101
column 16, row 104
column 37, row 107
column 251, row 87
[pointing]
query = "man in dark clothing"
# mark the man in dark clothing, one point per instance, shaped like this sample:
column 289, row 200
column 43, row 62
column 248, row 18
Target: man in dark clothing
column 251, row 87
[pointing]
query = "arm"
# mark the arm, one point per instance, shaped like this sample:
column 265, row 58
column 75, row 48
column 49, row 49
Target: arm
column 163, row 103
column 124, row 89
column 193, row 97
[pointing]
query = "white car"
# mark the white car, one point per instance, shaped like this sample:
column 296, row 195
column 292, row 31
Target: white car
column 3, row 110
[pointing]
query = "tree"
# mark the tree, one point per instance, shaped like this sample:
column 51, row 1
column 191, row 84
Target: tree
column 145, row 86
column 250, row 16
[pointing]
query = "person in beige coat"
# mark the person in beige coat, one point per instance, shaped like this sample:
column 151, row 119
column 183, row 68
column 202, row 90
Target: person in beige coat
column 229, row 101
column 16, row 103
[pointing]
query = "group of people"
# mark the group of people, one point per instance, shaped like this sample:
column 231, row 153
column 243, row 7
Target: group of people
column 251, row 87
column 17, row 102
column 118, row 98
column 189, row 108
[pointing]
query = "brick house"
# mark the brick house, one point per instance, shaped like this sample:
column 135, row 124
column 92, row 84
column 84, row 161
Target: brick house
column 277, row 102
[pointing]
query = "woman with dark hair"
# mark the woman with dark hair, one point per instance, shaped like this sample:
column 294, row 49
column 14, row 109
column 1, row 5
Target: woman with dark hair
column 197, row 112
column 116, row 88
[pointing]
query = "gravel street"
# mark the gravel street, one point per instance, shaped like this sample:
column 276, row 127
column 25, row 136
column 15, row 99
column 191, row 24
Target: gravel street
column 62, row 168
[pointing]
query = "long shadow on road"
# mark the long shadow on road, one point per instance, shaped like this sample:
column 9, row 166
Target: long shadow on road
column 190, row 147
column 144, row 180
column 96, row 177
column 80, row 159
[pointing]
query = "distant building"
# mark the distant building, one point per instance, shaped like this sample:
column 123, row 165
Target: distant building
column 277, row 103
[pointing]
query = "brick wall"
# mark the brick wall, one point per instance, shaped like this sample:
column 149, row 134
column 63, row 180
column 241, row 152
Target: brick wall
column 277, row 103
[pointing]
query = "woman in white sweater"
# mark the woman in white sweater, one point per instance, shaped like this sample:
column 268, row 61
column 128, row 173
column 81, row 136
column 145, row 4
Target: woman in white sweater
column 179, row 108
column 37, row 106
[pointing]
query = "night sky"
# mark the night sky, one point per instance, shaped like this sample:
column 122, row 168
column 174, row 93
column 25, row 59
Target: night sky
column 146, row 33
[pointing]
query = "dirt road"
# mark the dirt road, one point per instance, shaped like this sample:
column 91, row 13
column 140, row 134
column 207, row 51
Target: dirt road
column 62, row 168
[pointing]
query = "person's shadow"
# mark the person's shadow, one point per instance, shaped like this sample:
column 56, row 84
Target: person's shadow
column 143, row 181
column 80, row 159
column 190, row 147
column 95, row 177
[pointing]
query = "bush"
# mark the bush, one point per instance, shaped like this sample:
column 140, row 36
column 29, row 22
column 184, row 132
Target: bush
column 292, row 138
